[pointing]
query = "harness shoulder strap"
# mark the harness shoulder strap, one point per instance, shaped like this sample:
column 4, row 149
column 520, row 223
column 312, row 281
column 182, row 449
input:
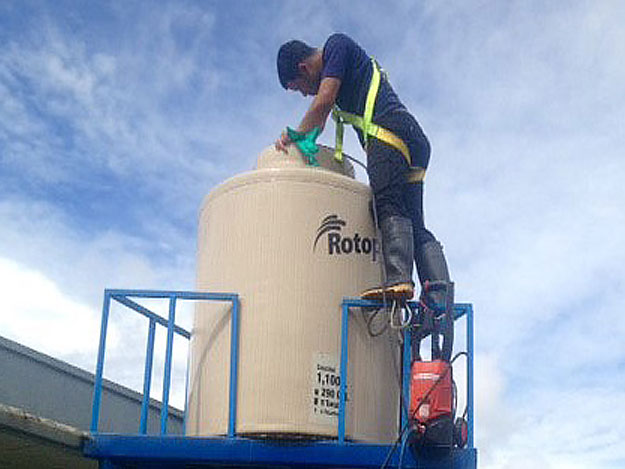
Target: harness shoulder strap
column 364, row 123
column 340, row 130
column 370, row 102
column 369, row 129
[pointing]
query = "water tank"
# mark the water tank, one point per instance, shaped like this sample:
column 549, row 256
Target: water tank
column 292, row 240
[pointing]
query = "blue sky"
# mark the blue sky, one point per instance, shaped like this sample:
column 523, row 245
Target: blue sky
column 116, row 118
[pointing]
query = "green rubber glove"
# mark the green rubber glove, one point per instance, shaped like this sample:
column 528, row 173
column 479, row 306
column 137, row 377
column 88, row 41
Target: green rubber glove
column 306, row 143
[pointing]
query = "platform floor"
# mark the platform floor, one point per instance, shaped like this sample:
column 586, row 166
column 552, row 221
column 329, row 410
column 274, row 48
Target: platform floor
column 136, row 451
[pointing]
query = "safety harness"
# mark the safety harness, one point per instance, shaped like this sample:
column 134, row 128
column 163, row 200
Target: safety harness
column 370, row 129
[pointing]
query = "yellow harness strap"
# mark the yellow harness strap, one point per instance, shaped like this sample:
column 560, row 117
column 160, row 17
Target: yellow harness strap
column 369, row 129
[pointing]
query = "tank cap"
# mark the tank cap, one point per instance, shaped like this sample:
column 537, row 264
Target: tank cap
column 272, row 158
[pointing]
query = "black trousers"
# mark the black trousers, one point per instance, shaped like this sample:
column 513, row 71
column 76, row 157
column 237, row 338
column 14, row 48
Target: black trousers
column 388, row 169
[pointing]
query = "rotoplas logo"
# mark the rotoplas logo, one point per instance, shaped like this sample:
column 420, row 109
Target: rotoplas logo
column 340, row 243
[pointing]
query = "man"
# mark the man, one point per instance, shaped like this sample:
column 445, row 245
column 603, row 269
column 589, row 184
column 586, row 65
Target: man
column 341, row 74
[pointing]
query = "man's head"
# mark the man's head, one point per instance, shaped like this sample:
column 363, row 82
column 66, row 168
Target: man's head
column 297, row 68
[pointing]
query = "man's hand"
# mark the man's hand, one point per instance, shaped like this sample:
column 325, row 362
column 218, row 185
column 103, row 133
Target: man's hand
column 317, row 113
column 283, row 142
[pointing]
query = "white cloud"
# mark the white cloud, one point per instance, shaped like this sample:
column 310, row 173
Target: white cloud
column 564, row 427
column 552, row 425
column 61, row 317
column 113, row 112
column 494, row 421
column 38, row 314
column 39, row 234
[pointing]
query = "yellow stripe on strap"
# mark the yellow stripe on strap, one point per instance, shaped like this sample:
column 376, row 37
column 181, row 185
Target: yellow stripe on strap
column 382, row 134
column 416, row 175
column 393, row 140
column 372, row 94
column 340, row 129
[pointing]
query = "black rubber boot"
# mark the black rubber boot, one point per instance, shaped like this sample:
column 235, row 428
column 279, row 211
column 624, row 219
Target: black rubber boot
column 397, row 249
column 437, row 294
column 397, row 253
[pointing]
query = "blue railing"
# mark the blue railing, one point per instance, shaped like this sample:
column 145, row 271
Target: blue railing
column 460, row 310
column 123, row 297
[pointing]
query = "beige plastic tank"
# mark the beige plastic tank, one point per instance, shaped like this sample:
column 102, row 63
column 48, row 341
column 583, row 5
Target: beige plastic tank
column 292, row 240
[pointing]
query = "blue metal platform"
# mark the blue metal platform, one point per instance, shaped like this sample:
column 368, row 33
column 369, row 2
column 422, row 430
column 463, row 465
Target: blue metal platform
column 169, row 451
column 121, row 451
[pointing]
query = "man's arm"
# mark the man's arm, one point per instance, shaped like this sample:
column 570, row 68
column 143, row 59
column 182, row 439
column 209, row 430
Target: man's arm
column 321, row 106
column 318, row 111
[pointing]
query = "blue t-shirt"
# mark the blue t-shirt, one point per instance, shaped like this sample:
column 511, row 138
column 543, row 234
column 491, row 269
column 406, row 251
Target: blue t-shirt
column 346, row 60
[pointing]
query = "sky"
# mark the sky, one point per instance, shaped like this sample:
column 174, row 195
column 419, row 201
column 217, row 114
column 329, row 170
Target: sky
column 117, row 118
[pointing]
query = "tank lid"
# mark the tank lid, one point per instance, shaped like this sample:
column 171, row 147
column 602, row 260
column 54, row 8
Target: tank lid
column 272, row 158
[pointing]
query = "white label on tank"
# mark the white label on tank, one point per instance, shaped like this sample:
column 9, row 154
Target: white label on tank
column 326, row 387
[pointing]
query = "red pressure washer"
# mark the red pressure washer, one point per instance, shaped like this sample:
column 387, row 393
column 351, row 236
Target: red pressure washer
column 434, row 429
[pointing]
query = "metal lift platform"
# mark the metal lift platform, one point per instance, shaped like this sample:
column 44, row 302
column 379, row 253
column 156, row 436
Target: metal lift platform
column 178, row 451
